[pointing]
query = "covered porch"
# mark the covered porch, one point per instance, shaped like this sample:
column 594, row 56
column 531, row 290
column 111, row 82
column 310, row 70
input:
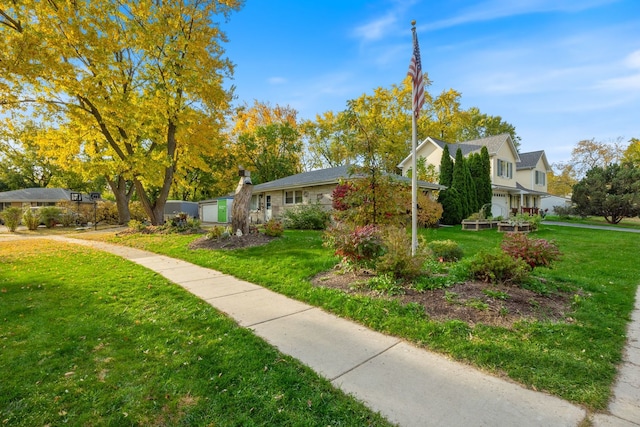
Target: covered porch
column 525, row 201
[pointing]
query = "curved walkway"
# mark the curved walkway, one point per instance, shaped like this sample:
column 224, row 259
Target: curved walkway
column 408, row 385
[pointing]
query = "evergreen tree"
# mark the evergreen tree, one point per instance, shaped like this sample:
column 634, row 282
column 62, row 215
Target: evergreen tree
column 460, row 182
column 471, row 189
column 485, row 193
column 446, row 168
column 452, row 209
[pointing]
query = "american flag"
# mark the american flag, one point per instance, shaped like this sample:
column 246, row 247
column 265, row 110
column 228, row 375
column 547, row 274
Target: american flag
column 415, row 71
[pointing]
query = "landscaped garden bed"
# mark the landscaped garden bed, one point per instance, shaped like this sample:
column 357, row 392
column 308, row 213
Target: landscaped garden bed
column 478, row 224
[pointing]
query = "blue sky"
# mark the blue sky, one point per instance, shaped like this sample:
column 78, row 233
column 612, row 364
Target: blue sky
column 560, row 71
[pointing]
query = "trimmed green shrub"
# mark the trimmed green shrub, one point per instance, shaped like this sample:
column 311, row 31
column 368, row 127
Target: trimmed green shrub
column 50, row 215
column 11, row 218
column 496, row 266
column 307, row 217
column 31, row 219
column 445, row 250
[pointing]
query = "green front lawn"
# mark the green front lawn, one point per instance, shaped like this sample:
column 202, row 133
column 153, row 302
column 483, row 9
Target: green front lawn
column 87, row 338
column 575, row 360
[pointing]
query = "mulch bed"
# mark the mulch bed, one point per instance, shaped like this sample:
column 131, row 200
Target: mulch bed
column 466, row 302
column 232, row 242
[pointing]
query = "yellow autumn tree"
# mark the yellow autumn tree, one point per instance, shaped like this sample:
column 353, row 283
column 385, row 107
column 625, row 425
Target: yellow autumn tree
column 266, row 140
column 129, row 82
column 632, row 152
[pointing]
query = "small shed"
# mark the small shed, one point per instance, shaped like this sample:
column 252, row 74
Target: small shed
column 216, row 210
column 174, row 207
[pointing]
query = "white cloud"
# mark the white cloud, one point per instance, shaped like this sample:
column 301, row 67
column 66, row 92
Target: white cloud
column 495, row 9
column 276, row 80
column 377, row 29
column 631, row 63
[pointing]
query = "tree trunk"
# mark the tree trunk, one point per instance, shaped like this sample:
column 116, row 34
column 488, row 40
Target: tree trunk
column 155, row 210
column 242, row 203
column 122, row 195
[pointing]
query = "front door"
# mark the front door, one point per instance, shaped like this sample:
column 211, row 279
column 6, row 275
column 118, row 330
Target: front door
column 267, row 208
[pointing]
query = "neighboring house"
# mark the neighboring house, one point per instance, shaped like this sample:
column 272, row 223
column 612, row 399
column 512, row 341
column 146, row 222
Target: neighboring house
column 37, row 197
column 550, row 201
column 519, row 180
column 272, row 199
column 174, row 207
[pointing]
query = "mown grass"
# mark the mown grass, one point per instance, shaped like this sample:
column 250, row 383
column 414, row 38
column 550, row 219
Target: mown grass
column 575, row 360
column 88, row 338
column 596, row 220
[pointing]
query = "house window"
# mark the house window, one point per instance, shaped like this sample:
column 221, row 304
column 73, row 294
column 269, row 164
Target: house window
column 505, row 169
column 254, row 203
column 292, row 197
column 540, row 178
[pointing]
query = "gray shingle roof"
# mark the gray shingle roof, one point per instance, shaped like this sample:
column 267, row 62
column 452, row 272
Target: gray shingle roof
column 317, row 177
column 529, row 160
column 493, row 143
column 321, row 177
column 453, row 148
column 36, row 195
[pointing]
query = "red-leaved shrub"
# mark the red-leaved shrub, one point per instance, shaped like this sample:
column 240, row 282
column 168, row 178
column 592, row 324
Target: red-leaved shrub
column 535, row 252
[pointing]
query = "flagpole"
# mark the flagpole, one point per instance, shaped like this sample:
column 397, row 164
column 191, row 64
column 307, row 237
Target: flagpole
column 414, row 170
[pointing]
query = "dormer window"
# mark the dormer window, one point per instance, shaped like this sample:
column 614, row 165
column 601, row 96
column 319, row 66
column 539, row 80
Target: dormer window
column 505, row 169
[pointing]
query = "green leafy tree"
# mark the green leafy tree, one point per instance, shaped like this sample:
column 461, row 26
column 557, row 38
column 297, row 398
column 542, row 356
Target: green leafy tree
column 612, row 192
column 482, row 125
column 328, row 143
column 271, row 152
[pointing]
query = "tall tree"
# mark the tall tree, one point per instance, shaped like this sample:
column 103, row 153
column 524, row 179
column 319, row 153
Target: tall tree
column 480, row 170
column 460, row 183
column 327, row 142
column 632, row 152
column 446, row 168
column 23, row 165
column 139, row 75
column 612, row 192
column 589, row 153
column 266, row 141
column 561, row 179
column 482, row 125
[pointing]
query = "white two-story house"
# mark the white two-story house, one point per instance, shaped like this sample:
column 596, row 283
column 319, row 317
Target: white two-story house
column 519, row 180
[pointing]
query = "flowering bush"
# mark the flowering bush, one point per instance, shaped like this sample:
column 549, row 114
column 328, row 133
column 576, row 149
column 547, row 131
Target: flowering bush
column 535, row 252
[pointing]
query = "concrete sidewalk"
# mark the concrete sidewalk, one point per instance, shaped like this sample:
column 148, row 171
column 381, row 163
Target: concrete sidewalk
column 408, row 385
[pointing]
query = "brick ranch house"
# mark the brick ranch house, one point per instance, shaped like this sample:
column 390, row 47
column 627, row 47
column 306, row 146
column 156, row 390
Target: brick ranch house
column 271, row 199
